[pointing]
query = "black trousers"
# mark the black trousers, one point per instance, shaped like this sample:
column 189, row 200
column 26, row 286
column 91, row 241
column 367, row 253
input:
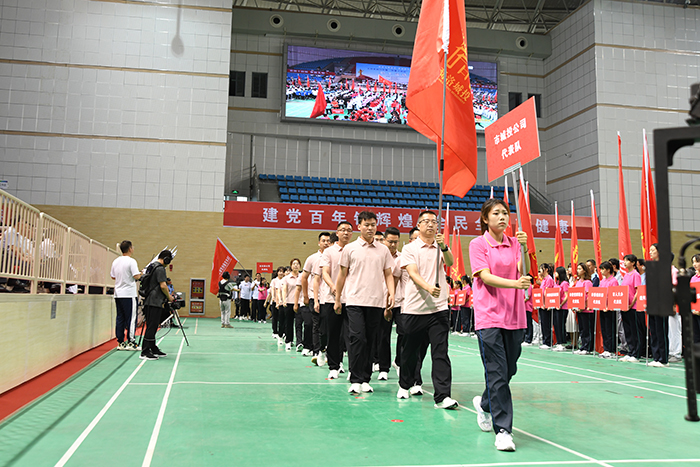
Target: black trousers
column 275, row 318
column 363, row 324
column 262, row 313
column 635, row 332
column 126, row 318
column 384, row 342
column 307, row 325
column 289, row 319
column 500, row 350
column 320, row 327
column 335, row 335
column 434, row 327
column 528, row 332
column 245, row 307
column 465, row 319
column 299, row 326
column 560, row 325
column 546, row 325
column 153, row 315
column 696, row 329
column 608, row 321
column 417, row 378
column 658, row 330
column 586, row 321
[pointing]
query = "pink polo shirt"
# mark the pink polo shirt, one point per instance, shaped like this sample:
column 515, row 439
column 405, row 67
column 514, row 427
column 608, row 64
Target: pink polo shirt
column 274, row 284
column 586, row 285
column 291, row 282
column 495, row 307
column 323, row 290
column 309, row 266
column 632, row 280
column 609, row 282
column 366, row 262
column 331, row 259
column 563, row 290
column 416, row 300
column 397, row 272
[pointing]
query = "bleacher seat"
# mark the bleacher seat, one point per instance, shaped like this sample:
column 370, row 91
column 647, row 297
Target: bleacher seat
column 316, row 179
column 301, row 191
column 325, row 185
column 308, row 185
column 313, row 199
column 331, row 199
column 306, row 178
column 262, row 177
column 291, row 190
column 294, row 197
column 391, row 183
column 284, row 198
column 322, row 199
column 283, row 190
column 289, row 178
column 303, row 199
column 280, row 177
column 297, row 178
column 332, row 180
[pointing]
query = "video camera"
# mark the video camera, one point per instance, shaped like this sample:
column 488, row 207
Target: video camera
column 178, row 303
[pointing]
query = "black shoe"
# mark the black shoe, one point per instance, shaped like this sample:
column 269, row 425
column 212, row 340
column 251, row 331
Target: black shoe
column 148, row 355
column 158, row 353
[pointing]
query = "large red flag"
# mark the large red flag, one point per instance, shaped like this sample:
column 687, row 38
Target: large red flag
column 509, row 228
column 624, row 244
column 223, row 261
column 441, row 30
column 308, row 83
column 649, row 235
column 527, row 228
column 596, row 235
column 574, row 238
column 558, row 243
column 320, row 104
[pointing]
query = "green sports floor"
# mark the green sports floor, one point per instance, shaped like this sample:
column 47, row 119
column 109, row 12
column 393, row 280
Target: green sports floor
column 234, row 398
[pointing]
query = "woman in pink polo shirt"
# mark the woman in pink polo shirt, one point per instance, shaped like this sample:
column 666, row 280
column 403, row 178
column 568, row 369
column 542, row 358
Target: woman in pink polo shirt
column 499, row 317
column 607, row 317
column 562, row 281
column 586, row 318
column 634, row 323
column 545, row 314
column 289, row 294
column 696, row 315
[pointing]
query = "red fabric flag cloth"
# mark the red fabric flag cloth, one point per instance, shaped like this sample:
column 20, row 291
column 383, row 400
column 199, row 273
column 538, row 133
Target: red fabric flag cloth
column 558, row 243
column 299, row 80
column 308, row 83
column 223, row 261
column 454, row 269
column 383, row 80
column 353, row 84
column 649, row 222
column 596, row 235
column 375, row 86
column 624, row 244
column 527, row 228
column 425, row 87
column 574, row 239
column 320, row 104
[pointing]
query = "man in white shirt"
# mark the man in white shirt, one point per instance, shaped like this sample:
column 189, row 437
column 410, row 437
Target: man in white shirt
column 246, row 291
column 125, row 273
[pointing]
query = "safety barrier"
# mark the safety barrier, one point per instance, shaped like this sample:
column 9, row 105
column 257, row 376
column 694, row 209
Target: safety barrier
column 39, row 249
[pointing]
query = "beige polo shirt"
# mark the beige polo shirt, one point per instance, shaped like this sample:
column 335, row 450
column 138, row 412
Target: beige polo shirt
column 416, row 300
column 331, row 259
column 397, row 272
column 365, row 283
column 309, row 267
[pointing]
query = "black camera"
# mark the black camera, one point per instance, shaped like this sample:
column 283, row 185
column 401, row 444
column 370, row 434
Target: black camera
column 178, row 303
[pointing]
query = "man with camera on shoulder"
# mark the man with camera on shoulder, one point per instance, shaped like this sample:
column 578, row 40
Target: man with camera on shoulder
column 157, row 294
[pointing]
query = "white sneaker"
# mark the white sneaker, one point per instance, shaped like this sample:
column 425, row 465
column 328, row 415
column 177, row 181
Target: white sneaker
column 626, row 358
column 558, row 348
column 355, row 388
column 674, row 359
column 340, row 368
column 375, row 368
column 288, row 347
column 526, row 344
column 321, row 360
column 280, row 341
column 447, row 403
column 366, row 387
column 483, row 419
column 306, row 353
column 333, row 374
column 606, row 354
column 397, row 368
column 274, row 336
column 416, row 390
column 504, row 441
column 464, row 334
column 583, row 352
column 403, row 393
column 658, row 364
column 383, row 376
column 544, row 347
column 632, row 359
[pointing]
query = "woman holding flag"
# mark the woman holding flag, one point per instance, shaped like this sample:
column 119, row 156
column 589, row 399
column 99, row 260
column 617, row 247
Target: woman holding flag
column 499, row 317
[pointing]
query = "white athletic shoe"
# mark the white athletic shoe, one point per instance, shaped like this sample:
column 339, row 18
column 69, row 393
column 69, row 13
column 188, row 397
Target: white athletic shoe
column 288, row 347
column 274, row 336
column 416, row 390
column 306, row 353
column 447, row 403
column 366, row 387
column 544, row 347
column 280, row 341
column 483, row 419
column 383, row 376
column 340, row 368
column 632, row 359
column 626, row 358
column 526, row 344
column 674, row 359
column 583, row 352
column 333, row 374
column 403, row 393
column 375, row 368
column 558, row 348
column 658, row 364
column 321, row 360
column 606, row 354
column 504, row 441
column 355, row 389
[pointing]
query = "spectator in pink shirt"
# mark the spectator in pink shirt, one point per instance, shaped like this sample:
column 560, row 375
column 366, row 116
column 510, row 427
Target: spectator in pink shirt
column 633, row 322
column 562, row 281
column 545, row 314
column 586, row 318
column 425, row 311
column 365, row 269
column 499, row 316
column 696, row 314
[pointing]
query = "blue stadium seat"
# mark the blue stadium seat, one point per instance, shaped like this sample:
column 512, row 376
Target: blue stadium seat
column 423, row 184
column 391, row 183
column 319, row 191
column 303, row 199
column 262, row 177
column 330, row 199
column 298, row 178
column 382, row 182
column 378, row 202
column 402, row 203
column 301, row 191
column 374, row 182
column 294, row 197
column 364, row 194
column 322, row 199
column 291, row 190
column 335, row 186
column 356, row 181
column 308, row 185
column 365, row 182
column 338, row 193
column 355, row 193
column 299, row 184
column 325, row 185
column 368, row 201
column 316, row 179
column 323, row 179
column 280, row 177
column 289, row 178
column 284, row 198
column 281, row 183
column 306, row 178
column 284, row 190
column 313, row 199
column 332, row 180
column 358, row 200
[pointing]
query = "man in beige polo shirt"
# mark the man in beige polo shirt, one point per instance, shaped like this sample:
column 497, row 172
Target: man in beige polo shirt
column 365, row 267
column 425, row 311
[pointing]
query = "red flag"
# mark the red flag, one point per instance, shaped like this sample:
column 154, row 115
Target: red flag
column 320, row 104
column 353, row 84
column 223, row 261
column 299, row 80
column 574, row 239
column 308, row 83
column 375, row 86
column 649, row 223
column 558, row 243
column 509, row 228
column 457, row 268
column 441, row 29
column 596, row 234
column 624, row 244
column 527, row 228
column 383, row 80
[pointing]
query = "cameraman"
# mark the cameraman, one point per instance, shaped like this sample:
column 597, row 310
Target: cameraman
column 157, row 295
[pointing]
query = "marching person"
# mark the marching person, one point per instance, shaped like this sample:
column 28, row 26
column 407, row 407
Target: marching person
column 425, row 312
column 499, row 315
column 224, row 294
column 365, row 266
column 308, row 286
column 291, row 297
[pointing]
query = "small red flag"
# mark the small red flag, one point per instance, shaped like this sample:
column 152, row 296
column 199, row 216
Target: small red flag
column 299, row 80
column 624, row 244
column 223, row 261
column 527, row 228
column 442, row 30
column 574, row 238
column 320, row 104
column 558, row 243
column 353, row 84
column 509, row 227
column 649, row 222
column 596, row 235
column 308, row 82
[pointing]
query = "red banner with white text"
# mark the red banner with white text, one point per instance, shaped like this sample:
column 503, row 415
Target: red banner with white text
column 326, row 217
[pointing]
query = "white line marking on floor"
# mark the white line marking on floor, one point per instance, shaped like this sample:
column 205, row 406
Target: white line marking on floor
column 196, row 325
column 159, row 420
column 74, row 447
column 505, row 464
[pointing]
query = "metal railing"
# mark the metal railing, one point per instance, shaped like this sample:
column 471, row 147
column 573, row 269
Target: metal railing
column 37, row 248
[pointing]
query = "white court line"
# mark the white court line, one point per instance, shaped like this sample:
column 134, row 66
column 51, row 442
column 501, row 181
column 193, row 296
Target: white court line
column 196, row 325
column 159, row 421
column 504, row 464
column 74, row 447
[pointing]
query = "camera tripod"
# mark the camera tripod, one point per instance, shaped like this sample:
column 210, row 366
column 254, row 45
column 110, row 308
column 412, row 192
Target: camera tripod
column 174, row 318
